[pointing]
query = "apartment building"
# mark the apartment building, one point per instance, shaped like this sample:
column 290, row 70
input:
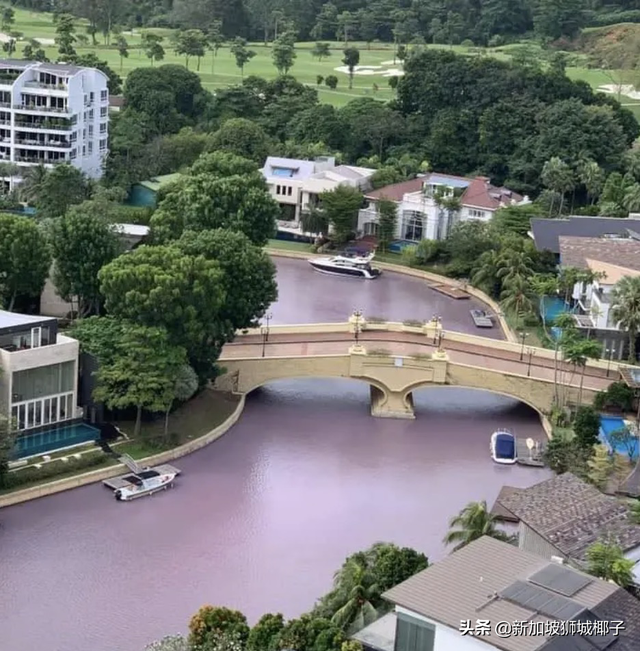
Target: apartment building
column 53, row 113
column 429, row 206
column 297, row 184
column 38, row 374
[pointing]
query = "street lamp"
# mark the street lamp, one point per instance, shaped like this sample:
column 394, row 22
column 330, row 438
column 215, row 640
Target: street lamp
column 265, row 333
column 523, row 336
column 437, row 327
column 440, row 338
column 609, row 353
column 357, row 315
column 530, row 351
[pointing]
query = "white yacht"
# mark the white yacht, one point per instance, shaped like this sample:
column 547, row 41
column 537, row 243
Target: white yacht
column 357, row 265
column 503, row 447
column 144, row 483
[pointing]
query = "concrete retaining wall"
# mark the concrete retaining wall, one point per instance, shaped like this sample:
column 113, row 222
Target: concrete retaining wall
column 112, row 471
column 419, row 273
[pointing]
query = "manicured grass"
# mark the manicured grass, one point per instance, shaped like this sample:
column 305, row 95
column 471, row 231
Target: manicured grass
column 285, row 245
column 224, row 71
column 194, row 419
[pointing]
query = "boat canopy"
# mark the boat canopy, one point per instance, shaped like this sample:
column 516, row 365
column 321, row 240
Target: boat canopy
column 505, row 446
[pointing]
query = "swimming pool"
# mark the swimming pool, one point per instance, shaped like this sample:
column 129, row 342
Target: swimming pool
column 53, row 439
column 609, row 424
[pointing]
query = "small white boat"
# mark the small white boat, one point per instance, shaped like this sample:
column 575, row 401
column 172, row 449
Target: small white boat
column 358, row 266
column 144, row 483
column 503, row 447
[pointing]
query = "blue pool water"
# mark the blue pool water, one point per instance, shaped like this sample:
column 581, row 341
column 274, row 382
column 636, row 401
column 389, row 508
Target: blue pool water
column 609, row 424
column 53, row 439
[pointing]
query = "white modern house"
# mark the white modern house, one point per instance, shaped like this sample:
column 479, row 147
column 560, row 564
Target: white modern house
column 492, row 595
column 296, row 184
column 606, row 260
column 38, row 373
column 429, row 206
column 53, row 113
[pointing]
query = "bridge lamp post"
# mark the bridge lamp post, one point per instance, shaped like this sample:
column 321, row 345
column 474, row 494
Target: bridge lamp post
column 609, row 353
column 357, row 315
column 437, row 322
column 530, row 351
column 440, row 338
column 265, row 333
column 523, row 336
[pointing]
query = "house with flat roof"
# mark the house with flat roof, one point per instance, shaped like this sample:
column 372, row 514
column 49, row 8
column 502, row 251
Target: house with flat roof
column 546, row 233
column 424, row 211
column 492, row 595
column 563, row 516
column 297, row 185
column 145, row 193
column 606, row 259
column 38, row 376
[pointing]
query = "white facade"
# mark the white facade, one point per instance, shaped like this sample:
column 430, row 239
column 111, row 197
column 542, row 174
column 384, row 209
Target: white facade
column 424, row 215
column 39, row 371
column 450, row 639
column 297, row 184
column 53, row 113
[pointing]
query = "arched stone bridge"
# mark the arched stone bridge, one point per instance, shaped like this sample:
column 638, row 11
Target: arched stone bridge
column 395, row 359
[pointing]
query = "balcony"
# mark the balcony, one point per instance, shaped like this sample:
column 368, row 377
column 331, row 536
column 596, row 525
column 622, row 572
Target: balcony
column 62, row 144
column 37, row 160
column 42, row 109
column 46, row 124
column 41, row 84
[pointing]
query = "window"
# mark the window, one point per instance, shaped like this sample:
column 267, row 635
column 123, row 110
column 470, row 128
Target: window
column 43, row 381
column 84, row 150
column 103, row 127
column 91, row 114
column 103, row 111
column 412, row 226
column 103, row 145
column 104, row 95
column 36, row 337
column 91, row 96
column 413, row 634
column 476, row 214
column 289, row 191
column 73, row 154
column 90, row 130
column 371, row 228
column 90, row 147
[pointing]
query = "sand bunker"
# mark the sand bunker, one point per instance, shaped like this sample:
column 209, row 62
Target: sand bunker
column 624, row 89
column 371, row 70
column 4, row 38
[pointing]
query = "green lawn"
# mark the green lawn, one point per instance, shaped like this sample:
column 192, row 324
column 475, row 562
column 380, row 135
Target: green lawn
column 306, row 69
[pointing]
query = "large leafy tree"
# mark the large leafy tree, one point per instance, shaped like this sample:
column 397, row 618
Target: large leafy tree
column 474, row 521
column 625, row 310
column 212, row 621
column 61, row 188
column 203, row 202
column 6, row 449
column 249, row 274
column 242, row 137
column 82, row 243
column 387, row 221
column 265, row 632
column 162, row 287
column 25, row 258
column 223, row 163
column 141, row 371
column 341, row 209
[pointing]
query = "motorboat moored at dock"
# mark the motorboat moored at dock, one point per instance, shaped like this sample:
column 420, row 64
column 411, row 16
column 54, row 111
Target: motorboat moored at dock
column 144, row 483
column 503, row 447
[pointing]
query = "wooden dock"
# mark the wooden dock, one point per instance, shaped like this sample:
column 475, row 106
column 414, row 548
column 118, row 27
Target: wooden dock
column 121, row 482
column 530, row 458
column 481, row 319
column 449, row 290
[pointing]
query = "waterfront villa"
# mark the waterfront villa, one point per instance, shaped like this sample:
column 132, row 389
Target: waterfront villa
column 296, row 185
column 606, row 259
column 38, row 377
column 563, row 516
column 457, row 603
column 429, row 206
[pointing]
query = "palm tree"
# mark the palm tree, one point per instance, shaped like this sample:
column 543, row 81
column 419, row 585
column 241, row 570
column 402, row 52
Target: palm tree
column 516, row 297
column 515, row 265
column 592, row 176
column 607, row 561
column 32, row 181
column 557, row 176
column 577, row 352
column 486, row 275
column 473, row 522
column 631, row 200
column 568, row 331
column 358, row 610
column 625, row 309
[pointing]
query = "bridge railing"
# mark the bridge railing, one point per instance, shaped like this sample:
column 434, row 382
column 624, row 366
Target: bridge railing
column 428, row 331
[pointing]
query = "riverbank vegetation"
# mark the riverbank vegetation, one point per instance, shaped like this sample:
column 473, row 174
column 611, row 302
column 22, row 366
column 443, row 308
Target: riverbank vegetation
column 354, row 601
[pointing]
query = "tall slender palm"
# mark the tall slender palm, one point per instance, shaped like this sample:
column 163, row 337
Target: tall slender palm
column 32, row 181
column 515, row 265
column 516, row 297
column 358, row 610
column 486, row 274
column 577, row 352
column 592, row 176
column 625, row 309
column 473, row 522
column 567, row 326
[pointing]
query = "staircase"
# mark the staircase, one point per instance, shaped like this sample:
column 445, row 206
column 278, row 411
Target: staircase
column 130, row 462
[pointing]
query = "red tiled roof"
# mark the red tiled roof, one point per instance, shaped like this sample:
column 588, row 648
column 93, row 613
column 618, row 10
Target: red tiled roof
column 396, row 191
column 481, row 194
